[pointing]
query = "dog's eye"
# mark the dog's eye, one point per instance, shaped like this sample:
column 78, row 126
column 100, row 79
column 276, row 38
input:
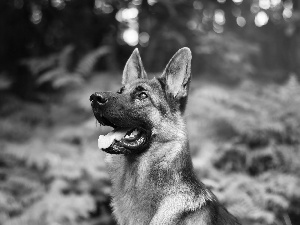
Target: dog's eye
column 142, row 95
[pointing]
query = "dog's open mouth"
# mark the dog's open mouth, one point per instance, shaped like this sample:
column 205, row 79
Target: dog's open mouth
column 123, row 140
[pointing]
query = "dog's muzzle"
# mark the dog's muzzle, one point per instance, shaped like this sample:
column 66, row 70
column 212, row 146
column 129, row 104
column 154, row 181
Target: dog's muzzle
column 99, row 102
column 126, row 138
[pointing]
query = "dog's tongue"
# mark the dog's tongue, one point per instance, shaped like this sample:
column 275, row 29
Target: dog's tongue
column 105, row 141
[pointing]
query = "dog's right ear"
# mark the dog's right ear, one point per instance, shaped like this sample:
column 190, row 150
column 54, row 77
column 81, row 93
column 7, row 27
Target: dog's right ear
column 134, row 68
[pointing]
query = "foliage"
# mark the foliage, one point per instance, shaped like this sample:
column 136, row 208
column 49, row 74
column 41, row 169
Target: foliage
column 258, row 148
column 60, row 70
column 232, row 57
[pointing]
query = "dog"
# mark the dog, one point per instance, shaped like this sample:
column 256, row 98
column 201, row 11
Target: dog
column 148, row 154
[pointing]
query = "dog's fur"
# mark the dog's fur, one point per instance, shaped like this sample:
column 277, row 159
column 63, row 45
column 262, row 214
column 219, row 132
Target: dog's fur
column 156, row 185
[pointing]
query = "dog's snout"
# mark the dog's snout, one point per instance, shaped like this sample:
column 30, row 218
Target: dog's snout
column 99, row 98
column 92, row 97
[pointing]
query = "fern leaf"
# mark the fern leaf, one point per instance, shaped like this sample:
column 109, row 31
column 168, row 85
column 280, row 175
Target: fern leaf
column 87, row 63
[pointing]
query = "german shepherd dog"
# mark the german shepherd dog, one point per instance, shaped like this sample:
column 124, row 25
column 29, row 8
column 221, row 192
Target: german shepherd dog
column 149, row 160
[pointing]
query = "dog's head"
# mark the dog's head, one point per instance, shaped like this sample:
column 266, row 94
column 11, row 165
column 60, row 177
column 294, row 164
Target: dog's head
column 143, row 109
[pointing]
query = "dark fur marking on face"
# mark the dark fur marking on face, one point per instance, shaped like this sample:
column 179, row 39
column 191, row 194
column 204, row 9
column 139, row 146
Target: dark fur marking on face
column 162, row 109
column 140, row 88
column 120, row 91
column 170, row 100
column 159, row 87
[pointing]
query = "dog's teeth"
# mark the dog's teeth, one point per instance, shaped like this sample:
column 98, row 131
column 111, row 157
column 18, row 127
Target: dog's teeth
column 132, row 134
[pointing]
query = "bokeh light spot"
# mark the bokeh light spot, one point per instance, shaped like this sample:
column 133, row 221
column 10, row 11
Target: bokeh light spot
column 219, row 17
column 151, row 2
column 192, row 25
column 254, row 8
column 128, row 14
column 144, row 39
column 137, row 2
column 36, row 15
column 241, row 21
column 264, row 4
column 261, row 19
column 237, row 1
column 198, row 5
column 59, row 4
column 275, row 3
column 131, row 37
column 287, row 13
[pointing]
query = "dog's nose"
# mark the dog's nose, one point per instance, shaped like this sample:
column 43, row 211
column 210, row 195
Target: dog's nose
column 99, row 98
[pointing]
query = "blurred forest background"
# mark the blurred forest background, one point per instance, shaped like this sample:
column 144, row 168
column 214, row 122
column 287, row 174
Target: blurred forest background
column 243, row 114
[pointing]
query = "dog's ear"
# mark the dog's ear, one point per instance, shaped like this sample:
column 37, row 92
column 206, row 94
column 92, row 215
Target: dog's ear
column 134, row 68
column 177, row 75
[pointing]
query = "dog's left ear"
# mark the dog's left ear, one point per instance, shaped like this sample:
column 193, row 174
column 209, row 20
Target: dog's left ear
column 134, row 68
column 177, row 75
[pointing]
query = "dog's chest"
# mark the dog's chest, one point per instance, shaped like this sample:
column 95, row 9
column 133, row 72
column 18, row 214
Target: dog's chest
column 131, row 199
column 128, row 210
